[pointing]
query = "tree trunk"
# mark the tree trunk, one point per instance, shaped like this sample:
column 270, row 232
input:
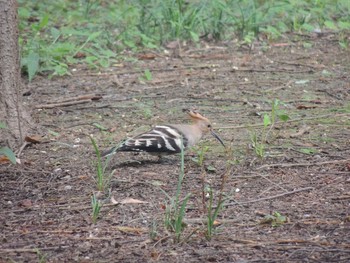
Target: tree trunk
column 11, row 112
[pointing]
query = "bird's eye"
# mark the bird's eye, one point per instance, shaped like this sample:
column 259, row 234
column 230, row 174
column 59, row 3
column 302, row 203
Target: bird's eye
column 209, row 126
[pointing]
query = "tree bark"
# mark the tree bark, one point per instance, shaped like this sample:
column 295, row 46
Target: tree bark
column 11, row 108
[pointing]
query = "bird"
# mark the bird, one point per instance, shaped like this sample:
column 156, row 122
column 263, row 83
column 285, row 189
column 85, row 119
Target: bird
column 168, row 139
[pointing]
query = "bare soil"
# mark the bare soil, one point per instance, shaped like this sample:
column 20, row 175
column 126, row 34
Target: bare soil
column 46, row 213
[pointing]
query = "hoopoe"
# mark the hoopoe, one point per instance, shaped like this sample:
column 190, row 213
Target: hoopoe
column 166, row 139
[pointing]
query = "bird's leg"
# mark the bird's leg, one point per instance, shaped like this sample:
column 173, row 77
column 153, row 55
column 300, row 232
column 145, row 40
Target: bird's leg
column 160, row 158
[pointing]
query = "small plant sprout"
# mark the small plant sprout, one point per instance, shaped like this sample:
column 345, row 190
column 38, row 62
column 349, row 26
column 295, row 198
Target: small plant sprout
column 212, row 214
column 102, row 179
column 275, row 219
column 41, row 256
column 96, row 208
column 146, row 76
column 9, row 154
column 200, row 155
column 269, row 121
column 153, row 233
column 6, row 150
column 199, row 160
column 258, row 146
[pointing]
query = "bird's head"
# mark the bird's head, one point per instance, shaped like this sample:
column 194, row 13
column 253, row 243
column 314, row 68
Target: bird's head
column 204, row 123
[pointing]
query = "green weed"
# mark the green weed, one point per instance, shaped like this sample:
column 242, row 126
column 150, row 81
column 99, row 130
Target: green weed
column 208, row 205
column 199, row 159
column 6, row 150
column 259, row 143
column 102, row 180
column 275, row 219
column 153, row 233
column 176, row 209
column 96, row 208
column 309, row 151
column 212, row 214
column 41, row 256
column 146, row 76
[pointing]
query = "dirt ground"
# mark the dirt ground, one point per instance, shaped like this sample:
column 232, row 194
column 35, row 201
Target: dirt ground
column 46, row 213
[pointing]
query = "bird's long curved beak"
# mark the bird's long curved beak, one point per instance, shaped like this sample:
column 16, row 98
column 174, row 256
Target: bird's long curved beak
column 217, row 137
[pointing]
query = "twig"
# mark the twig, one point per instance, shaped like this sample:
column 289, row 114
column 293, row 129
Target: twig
column 273, row 70
column 301, row 132
column 271, row 197
column 63, row 104
column 300, row 64
column 24, row 144
column 301, row 164
column 280, row 87
column 70, row 101
column 289, row 121
column 32, row 250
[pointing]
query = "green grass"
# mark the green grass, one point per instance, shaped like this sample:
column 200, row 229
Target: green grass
column 259, row 139
column 96, row 206
column 176, row 208
column 102, row 177
column 212, row 214
column 275, row 219
column 42, row 257
column 5, row 150
column 55, row 36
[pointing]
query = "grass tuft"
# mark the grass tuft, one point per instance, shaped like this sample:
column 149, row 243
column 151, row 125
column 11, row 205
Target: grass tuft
column 95, row 33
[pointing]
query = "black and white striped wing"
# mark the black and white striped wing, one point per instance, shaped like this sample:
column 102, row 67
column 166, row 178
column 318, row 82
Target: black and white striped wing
column 161, row 139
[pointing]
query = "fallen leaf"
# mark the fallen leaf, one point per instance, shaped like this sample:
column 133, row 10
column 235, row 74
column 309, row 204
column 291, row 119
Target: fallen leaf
column 127, row 229
column 4, row 159
column 173, row 44
column 280, row 44
column 25, row 203
column 113, row 201
column 155, row 255
column 33, row 138
column 118, row 65
column 302, row 131
column 216, row 223
column 147, row 56
column 127, row 201
column 113, row 129
column 132, row 201
column 302, row 81
column 305, row 107
column 79, row 55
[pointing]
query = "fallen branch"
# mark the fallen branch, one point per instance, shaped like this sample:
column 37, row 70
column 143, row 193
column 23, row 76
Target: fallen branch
column 20, row 150
column 289, row 121
column 270, row 197
column 301, row 164
column 301, row 132
column 63, row 104
column 272, row 70
column 31, row 250
column 318, row 66
column 69, row 101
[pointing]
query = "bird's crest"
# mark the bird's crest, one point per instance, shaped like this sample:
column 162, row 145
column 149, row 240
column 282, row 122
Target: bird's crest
column 195, row 115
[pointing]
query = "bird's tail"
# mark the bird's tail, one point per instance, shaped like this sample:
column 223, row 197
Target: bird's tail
column 109, row 152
